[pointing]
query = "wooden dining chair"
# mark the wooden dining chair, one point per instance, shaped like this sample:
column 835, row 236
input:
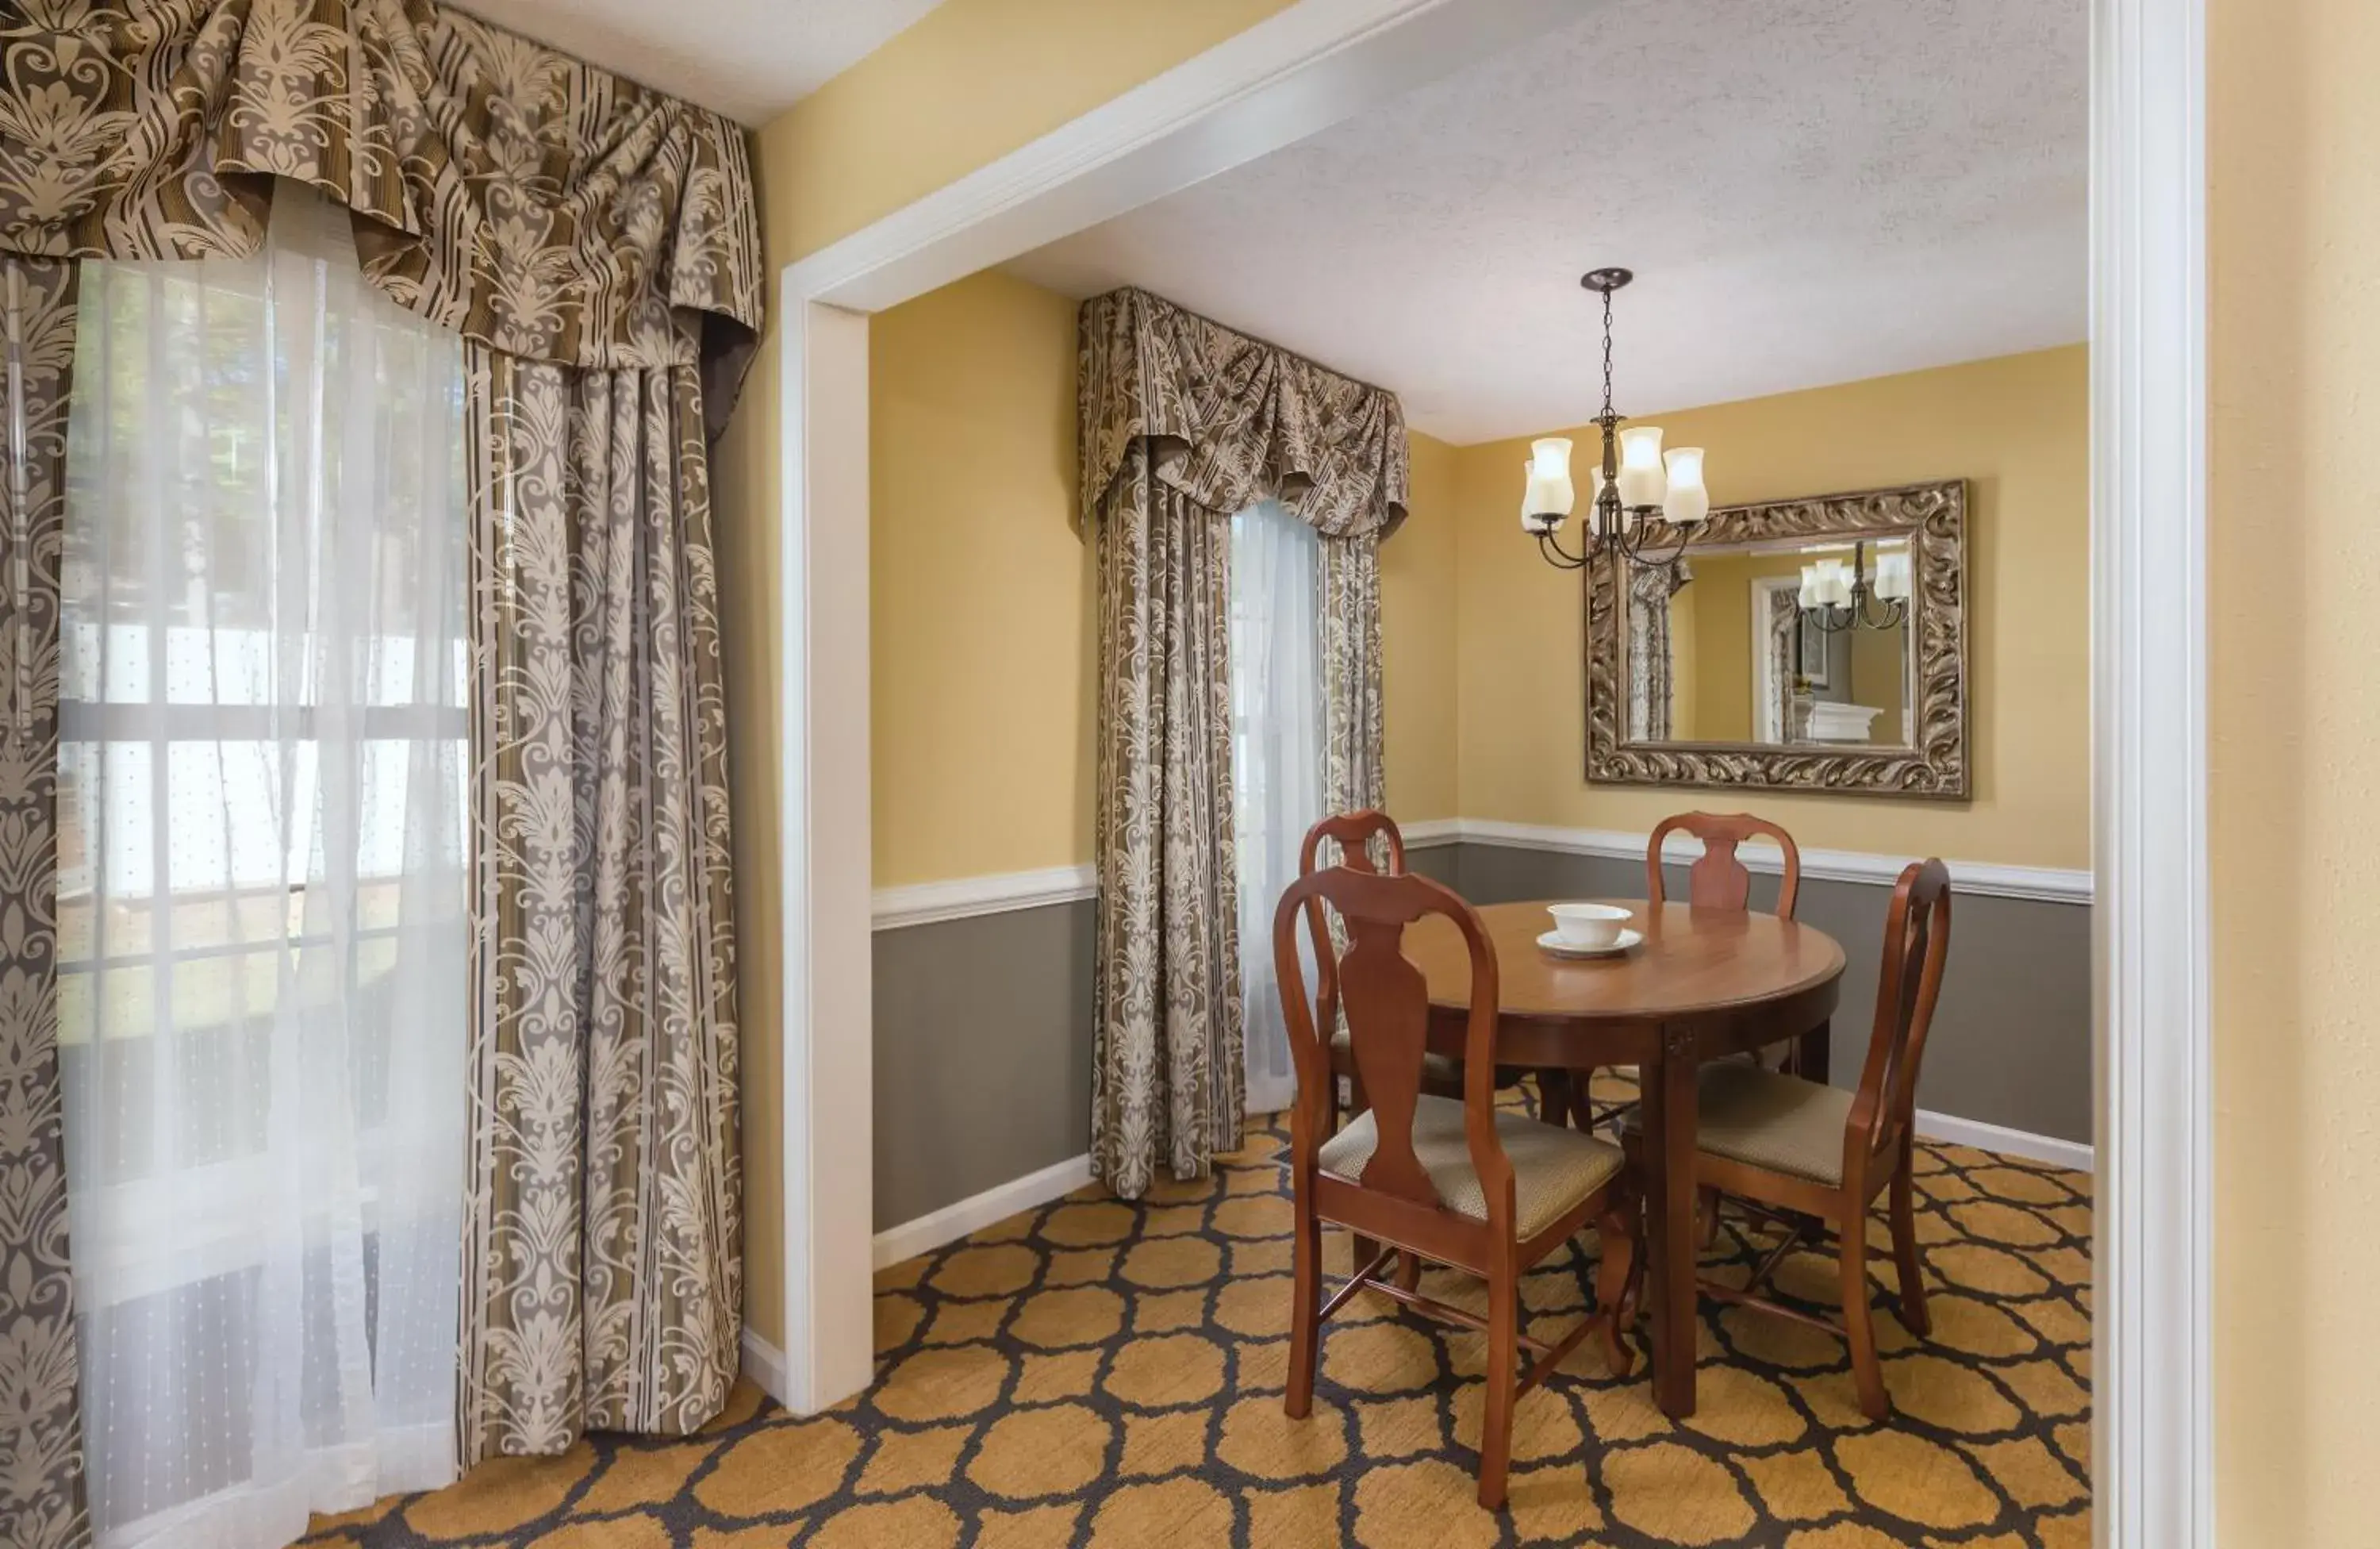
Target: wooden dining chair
column 1454, row 1181
column 1357, row 834
column 1799, row 1153
column 1361, row 837
column 1719, row 880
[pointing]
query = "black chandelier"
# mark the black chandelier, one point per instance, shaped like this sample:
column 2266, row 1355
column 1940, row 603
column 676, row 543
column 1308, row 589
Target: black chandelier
column 1634, row 485
column 1835, row 597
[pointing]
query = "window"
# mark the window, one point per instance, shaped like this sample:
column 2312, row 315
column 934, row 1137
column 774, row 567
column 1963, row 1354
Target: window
column 1276, row 760
column 261, row 921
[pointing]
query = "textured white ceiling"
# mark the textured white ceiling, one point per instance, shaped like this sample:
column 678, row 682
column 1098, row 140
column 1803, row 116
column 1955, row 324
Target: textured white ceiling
column 750, row 59
column 1809, row 190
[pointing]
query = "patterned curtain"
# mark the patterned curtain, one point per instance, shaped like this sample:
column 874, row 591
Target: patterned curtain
column 41, row 1423
column 1353, row 775
column 1787, row 717
column 1652, row 673
column 602, row 1287
column 1185, row 423
column 599, row 244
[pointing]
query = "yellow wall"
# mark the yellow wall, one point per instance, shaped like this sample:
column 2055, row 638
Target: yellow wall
column 971, row 81
column 1417, row 639
column 982, row 669
column 1879, row 672
column 1688, row 662
column 1720, row 689
column 2016, row 427
column 2294, row 712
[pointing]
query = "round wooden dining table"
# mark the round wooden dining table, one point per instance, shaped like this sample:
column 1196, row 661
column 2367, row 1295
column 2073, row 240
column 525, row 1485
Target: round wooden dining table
column 1701, row 984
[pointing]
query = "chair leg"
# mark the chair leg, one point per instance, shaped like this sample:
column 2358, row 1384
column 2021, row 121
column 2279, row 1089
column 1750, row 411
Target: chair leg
column 1613, row 1272
column 1858, row 1322
column 1504, row 1375
column 1913, row 1315
column 1306, row 1310
column 1706, row 1215
column 1408, row 1269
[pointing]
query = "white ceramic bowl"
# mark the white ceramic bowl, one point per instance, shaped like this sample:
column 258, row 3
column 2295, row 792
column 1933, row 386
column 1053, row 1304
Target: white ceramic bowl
column 1588, row 925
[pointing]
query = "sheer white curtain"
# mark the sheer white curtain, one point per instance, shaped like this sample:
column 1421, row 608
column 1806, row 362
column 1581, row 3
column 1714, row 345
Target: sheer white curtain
column 260, row 888
column 1276, row 760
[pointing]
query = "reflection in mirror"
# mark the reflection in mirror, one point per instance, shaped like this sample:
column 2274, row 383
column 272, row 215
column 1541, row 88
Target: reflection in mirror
column 1791, row 643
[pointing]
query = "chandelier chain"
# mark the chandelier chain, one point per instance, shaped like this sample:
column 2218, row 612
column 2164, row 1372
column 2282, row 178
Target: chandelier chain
column 1607, row 355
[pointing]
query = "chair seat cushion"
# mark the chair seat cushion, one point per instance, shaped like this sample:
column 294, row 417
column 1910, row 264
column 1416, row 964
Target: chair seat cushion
column 1553, row 1169
column 1436, row 1069
column 1764, row 1119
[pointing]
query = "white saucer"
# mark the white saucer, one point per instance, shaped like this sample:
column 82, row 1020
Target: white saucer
column 1552, row 942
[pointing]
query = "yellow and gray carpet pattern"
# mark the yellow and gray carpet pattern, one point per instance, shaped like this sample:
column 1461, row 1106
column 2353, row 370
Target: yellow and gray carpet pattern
column 1095, row 1374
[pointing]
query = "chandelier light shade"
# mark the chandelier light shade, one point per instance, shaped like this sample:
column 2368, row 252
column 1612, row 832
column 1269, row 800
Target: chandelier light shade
column 1635, row 484
column 1549, row 496
column 1642, row 481
column 1836, row 596
column 1686, row 500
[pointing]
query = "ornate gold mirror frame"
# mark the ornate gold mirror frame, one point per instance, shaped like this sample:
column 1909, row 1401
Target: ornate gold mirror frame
column 1933, row 516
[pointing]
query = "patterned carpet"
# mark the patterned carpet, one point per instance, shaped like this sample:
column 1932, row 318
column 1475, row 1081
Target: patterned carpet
column 1095, row 1373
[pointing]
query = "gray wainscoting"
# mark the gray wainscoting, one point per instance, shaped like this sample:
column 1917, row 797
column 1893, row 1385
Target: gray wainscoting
column 1437, row 863
column 983, row 1049
column 983, row 1025
column 983, row 1054
column 2011, row 1038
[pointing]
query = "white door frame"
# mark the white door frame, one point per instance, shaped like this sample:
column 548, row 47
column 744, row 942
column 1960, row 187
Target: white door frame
column 2153, row 1449
column 1314, row 63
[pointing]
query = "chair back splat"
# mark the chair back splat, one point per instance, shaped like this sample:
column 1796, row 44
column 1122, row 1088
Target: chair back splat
column 1386, row 1003
column 1718, row 880
column 1357, row 835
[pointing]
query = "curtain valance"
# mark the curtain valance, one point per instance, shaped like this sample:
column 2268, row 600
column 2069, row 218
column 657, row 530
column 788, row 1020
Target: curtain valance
column 1228, row 419
column 534, row 203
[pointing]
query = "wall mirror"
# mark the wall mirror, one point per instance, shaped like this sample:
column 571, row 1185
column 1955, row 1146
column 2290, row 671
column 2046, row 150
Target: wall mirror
column 1814, row 644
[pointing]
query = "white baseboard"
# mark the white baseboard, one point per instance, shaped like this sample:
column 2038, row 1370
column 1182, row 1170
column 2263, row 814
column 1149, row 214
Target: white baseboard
column 979, row 1210
column 1431, row 833
column 2009, row 1142
column 1002, row 1200
column 765, row 1364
